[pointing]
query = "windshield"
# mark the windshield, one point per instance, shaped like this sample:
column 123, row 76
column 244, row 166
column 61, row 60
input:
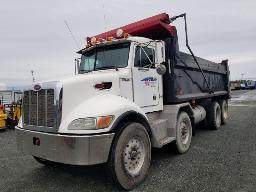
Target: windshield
column 106, row 57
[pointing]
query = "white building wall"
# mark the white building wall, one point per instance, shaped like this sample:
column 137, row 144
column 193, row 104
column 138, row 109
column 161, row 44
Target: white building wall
column 3, row 87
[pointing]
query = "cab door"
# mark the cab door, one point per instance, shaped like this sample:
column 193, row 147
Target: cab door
column 145, row 78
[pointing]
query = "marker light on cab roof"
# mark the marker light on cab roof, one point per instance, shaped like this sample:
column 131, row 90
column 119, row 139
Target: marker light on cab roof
column 126, row 35
column 101, row 40
column 119, row 33
column 110, row 39
column 93, row 40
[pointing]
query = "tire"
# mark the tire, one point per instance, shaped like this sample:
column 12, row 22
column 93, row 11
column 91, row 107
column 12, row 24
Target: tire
column 2, row 129
column 224, row 111
column 12, row 124
column 183, row 133
column 44, row 161
column 130, row 156
column 214, row 116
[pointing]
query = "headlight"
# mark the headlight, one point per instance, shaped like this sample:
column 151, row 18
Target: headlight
column 81, row 124
column 91, row 123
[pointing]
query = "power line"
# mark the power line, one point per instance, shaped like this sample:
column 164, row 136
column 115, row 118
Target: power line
column 248, row 78
column 104, row 14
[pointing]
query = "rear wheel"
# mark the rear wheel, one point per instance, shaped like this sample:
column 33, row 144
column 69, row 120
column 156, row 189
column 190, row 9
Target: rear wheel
column 183, row 133
column 130, row 156
column 2, row 128
column 214, row 115
column 224, row 111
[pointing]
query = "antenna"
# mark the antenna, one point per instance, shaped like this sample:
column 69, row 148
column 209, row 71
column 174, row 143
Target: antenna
column 73, row 37
column 104, row 14
column 33, row 78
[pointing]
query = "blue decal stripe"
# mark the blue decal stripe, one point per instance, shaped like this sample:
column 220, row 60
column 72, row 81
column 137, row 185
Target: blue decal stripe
column 149, row 79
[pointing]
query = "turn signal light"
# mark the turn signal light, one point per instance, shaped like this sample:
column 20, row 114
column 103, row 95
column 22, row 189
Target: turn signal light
column 104, row 122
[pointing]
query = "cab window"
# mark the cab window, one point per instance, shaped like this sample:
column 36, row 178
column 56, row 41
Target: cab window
column 144, row 57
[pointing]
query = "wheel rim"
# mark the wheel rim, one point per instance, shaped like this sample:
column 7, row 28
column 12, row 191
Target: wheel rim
column 218, row 116
column 184, row 132
column 134, row 156
column 225, row 110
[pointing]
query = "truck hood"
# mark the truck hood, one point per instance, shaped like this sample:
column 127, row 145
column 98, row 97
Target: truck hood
column 79, row 88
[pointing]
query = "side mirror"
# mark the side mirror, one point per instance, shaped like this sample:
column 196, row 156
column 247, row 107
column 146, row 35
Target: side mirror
column 161, row 69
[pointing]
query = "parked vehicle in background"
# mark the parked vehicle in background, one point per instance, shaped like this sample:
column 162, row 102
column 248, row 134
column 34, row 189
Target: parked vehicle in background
column 13, row 113
column 134, row 90
column 3, row 117
column 235, row 85
column 9, row 96
column 243, row 85
column 10, row 112
column 250, row 84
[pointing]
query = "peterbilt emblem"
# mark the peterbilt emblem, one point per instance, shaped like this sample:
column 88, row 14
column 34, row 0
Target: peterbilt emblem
column 37, row 87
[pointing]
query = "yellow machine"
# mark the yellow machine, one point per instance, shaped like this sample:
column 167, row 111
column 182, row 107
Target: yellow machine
column 13, row 114
column 3, row 118
column 9, row 115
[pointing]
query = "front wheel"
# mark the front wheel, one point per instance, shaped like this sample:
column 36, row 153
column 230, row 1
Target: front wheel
column 183, row 133
column 130, row 156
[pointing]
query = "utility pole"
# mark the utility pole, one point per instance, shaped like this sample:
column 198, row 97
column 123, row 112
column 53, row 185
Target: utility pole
column 33, row 78
column 242, row 74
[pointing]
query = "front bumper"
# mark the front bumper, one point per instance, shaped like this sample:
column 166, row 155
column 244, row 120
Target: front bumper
column 68, row 149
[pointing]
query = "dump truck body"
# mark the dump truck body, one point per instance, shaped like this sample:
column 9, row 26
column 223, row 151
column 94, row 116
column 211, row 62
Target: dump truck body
column 135, row 90
column 183, row 80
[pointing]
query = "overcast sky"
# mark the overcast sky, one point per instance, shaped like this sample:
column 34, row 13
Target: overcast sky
column 33, row 35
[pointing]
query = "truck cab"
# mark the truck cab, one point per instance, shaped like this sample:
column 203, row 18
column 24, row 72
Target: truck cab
column 134, row 60
column 116, row 80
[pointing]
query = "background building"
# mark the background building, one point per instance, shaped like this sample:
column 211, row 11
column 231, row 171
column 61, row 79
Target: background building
column 7, row 95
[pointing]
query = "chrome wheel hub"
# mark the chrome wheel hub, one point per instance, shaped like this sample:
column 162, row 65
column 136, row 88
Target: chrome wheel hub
column 218, row 116
column 134, row 156
column 184, row 132
column 225, row 111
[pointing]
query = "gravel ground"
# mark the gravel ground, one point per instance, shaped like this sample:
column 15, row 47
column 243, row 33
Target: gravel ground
column 223, row 160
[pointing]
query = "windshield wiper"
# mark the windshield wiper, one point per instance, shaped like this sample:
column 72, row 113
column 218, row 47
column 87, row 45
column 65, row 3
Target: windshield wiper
column 107, row 67
column 81, row 71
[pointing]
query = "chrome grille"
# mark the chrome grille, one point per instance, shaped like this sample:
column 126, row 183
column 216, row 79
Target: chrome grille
column 39, row 108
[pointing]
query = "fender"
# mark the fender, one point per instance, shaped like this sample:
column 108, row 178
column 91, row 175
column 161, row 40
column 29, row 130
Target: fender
column 164, row 131
column 101, row 105
column 171, row 113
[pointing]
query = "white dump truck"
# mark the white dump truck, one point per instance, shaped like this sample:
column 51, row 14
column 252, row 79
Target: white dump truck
column 133, row 90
